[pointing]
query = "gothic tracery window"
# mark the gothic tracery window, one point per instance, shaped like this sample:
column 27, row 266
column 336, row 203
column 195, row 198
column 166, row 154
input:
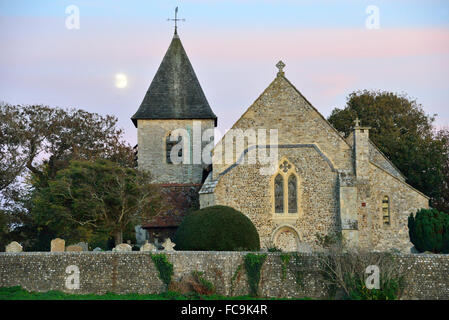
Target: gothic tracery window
column 285, row 190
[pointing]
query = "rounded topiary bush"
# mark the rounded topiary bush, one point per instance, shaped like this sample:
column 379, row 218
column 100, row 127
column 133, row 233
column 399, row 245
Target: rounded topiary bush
column 217, row 228
column 429, row 230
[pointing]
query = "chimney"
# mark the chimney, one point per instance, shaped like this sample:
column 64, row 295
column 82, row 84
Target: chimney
column 361, row 150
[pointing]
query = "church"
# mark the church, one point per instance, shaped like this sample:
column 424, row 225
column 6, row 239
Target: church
column 319, row 184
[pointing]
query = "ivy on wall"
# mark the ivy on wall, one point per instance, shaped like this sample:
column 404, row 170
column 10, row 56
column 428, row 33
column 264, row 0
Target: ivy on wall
column 285, row 260
column 164, row 267
column 236, row 277
column 253, row 265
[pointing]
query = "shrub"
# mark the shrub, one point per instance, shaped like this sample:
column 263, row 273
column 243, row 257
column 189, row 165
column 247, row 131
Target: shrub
column 429, row 231
column 344, row 271
column 204, row 287
column 217, row 228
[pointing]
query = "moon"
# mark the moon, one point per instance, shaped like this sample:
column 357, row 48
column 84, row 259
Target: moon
column 121, row 81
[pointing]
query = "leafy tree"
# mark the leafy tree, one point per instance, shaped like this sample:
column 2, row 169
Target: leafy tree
column 441, row 199
column 35, row 143
column 405, row 134
column 12, row 160
column 429, row 230
column 55, row 135
column 100, row 196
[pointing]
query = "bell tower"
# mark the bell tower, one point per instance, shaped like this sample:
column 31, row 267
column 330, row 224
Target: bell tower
column 172, row 120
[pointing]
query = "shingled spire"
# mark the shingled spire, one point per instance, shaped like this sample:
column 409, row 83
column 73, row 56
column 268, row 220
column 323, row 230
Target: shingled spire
column 175, row 92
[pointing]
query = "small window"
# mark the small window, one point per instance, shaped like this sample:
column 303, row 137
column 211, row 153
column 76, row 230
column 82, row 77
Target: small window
column 386, row 210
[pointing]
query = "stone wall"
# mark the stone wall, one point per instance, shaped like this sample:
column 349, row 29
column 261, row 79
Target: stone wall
column 373, row 233
column 246, row 190
column 134, row 272
column 151, row 138
column 281, row 106
column 341, row 182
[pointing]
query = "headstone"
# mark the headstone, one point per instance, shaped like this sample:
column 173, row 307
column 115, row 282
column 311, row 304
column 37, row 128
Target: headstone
column 74, row 248
column 157, row 244
column 14, row 247
column 141, row 235
column 168, row 245
column 122, row 247
column 83, row 245
column 97, row 249
column 148, row 247
column 57, row 245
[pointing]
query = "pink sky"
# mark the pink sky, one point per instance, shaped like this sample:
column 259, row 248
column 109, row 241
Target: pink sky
column 58, row 67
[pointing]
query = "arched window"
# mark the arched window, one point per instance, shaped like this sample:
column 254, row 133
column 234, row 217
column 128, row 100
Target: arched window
column 292, row 194
column 285, row 189
column 386, row 210
column 169, row 144
column 279, row 194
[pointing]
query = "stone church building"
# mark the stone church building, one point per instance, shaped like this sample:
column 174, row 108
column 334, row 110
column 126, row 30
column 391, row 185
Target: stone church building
column 320, row 184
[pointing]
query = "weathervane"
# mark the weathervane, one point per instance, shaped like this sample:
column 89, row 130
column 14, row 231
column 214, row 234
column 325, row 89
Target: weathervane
column 176, row 20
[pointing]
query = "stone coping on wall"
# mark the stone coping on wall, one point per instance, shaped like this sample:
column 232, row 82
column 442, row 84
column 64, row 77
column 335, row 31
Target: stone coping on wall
column 135, row 272
column 405, row 255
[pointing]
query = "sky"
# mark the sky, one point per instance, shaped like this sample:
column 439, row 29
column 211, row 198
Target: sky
column 330, row 47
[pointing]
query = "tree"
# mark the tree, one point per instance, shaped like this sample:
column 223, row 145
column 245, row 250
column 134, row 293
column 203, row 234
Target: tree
column 429, row 231
column 12, row 160
column 441, row 200
column 405, row 134
column 35, row 143
column 31, row 133
column 100, row 196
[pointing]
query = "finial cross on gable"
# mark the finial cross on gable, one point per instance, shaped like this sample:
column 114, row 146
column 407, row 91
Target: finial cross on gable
column 280, row 65
column 357, row 122
column 176, row 20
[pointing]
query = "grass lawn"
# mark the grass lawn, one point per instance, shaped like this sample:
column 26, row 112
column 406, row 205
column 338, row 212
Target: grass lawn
column 17, row 293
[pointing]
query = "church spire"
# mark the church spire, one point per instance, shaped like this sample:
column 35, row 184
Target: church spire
column 175, row 92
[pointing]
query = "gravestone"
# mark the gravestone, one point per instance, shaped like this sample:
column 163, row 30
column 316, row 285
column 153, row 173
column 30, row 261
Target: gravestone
column 97, row 249
column 83, row 245
column 57, row 245
column 148, row 247
column 157, row 244
column 13, row 247
column 141, row 235
column 74, row 248
column 122, row 247
column 168, row 245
